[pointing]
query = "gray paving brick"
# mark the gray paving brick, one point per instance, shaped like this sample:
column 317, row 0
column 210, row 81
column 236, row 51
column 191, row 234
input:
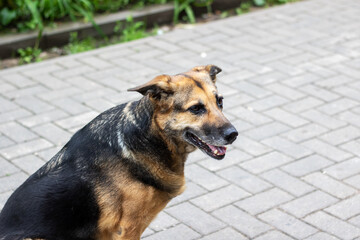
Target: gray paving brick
column 355, row 221
column 285, row 146
column 333, row 225
column 25, row 148
column 345, row 209
column 322, row 236
column 60, row 93
column 250, row 116
column 227, row 233
column 350, row 117
column 163, row 221
column 43, row 118
column 348, row 92
column 7, row 168
column 11, row 182
column 17, row 132
column 190, row 215
column 323, row 119
column 214, row 200
column 53, row 133
column 264, row 201
column 241, row 221
column 286, row 117
column 352, row 147
column 309, row 203
column 330, row 185
column 95, row 62
column 179, row 232
column 245, row 180
column 267, row 103
column 72, row 72
column 354, row 181
column 3, row 197
column 77, row 120
column 288, row 224
column 304, row 133
column 25, row 92
column 251, row 89
column 267, row 130
column 232, row 157
column 337, row 106
column 342, row 135
column 326, row 150
column 13, row 115
column 303, row 105
column 301, row 80
column 307, row 165
column 285, row 91
column 334, row 81
column 320, row 93
column 51, row 82
column 286, row 182
column 47, row 153
column 266, row 162
column 28, row 163
column 34, row 104
column 344, row 169
column 204, row 178
column 266, row 78
column 18, row 80
column 5, row 141
column 70, row 106
column 274, row 235
column 192, row 191
column 6, row 105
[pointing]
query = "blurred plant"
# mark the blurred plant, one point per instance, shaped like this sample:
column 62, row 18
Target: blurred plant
column 29, row 55
column 76, row 46
column 186, row 6
column 131, row 30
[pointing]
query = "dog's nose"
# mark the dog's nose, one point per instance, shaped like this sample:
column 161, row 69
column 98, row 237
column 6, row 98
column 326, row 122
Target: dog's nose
column 230, row 134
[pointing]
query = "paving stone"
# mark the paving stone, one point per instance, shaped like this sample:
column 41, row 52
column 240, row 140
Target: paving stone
column 307, row 165
column 348, row 92
column 227, row 233
column 13, row 115
column 17, row 132
column 251, row 116
column 350, row 117
column 344, row 169
column 285, row 117
column 28, row 163
column 345, row 209
column 354, row 181
column 333, row 225
column 303, row 105
column 266, row 162
column 267, row 130
column 43, row 118
column 179, row 232
column 323, row 119
column 251, row 89
column 250, row 146
column 192, row 191
column 305, row 132
column 322, row 236
column 232, row 157
column 245, row 180
column 337, row 106
column 263, row 201
column 214, row 200
column 334, row 81
column 309, row 203
column 355, row 221
column 163, row 221
column 70, row 106
column 286, row 182
column 204, row 178
column 352, row 147
column 53, row 133
column 285, row 91
column 288, row 224
column 11, row 182
column 7, row 168
column 326, row 150
column 342, row 135
column 190, row 215
column 5, row 142
column 4, row 197
column 78, row 120
column 34, row 104
column 25, row 148
column 285, row 146
column 320, row 93
column 241, row 221
column 274, row 235
column 329, row 185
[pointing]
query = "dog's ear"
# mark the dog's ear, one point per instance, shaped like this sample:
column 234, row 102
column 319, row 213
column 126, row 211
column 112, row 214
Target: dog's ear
column 157, row 88
column 211, row 69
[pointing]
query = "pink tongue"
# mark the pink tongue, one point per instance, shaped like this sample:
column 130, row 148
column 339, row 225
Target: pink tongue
column 220, row 150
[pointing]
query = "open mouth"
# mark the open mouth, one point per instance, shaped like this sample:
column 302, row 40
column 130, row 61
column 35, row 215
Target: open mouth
column 217, row 152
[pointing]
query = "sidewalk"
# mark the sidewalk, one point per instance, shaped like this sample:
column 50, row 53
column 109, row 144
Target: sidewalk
column 291, row 81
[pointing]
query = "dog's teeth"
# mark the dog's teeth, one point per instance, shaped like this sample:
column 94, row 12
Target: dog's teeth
column 216, row 152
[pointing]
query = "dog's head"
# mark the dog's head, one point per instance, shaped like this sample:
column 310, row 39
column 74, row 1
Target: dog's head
column 188, row 108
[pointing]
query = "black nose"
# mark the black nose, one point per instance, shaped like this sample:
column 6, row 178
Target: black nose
column 230, row 134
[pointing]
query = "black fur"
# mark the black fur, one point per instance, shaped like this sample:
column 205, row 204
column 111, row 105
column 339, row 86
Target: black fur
column 58, row 202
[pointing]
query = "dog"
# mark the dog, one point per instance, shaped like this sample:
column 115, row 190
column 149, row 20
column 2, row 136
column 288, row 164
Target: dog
column 119, row 171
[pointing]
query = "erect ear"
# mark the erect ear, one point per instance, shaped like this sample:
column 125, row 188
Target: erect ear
column 211, row 69
column 159, row 87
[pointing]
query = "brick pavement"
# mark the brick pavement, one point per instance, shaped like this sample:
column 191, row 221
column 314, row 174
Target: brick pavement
column 291, row 80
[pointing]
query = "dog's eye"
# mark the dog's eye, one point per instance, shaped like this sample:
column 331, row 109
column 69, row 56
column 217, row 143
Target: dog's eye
column 197, row 109
column 219, row 101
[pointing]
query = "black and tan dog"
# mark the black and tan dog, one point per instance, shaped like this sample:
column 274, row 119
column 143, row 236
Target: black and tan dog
column 119, row 171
